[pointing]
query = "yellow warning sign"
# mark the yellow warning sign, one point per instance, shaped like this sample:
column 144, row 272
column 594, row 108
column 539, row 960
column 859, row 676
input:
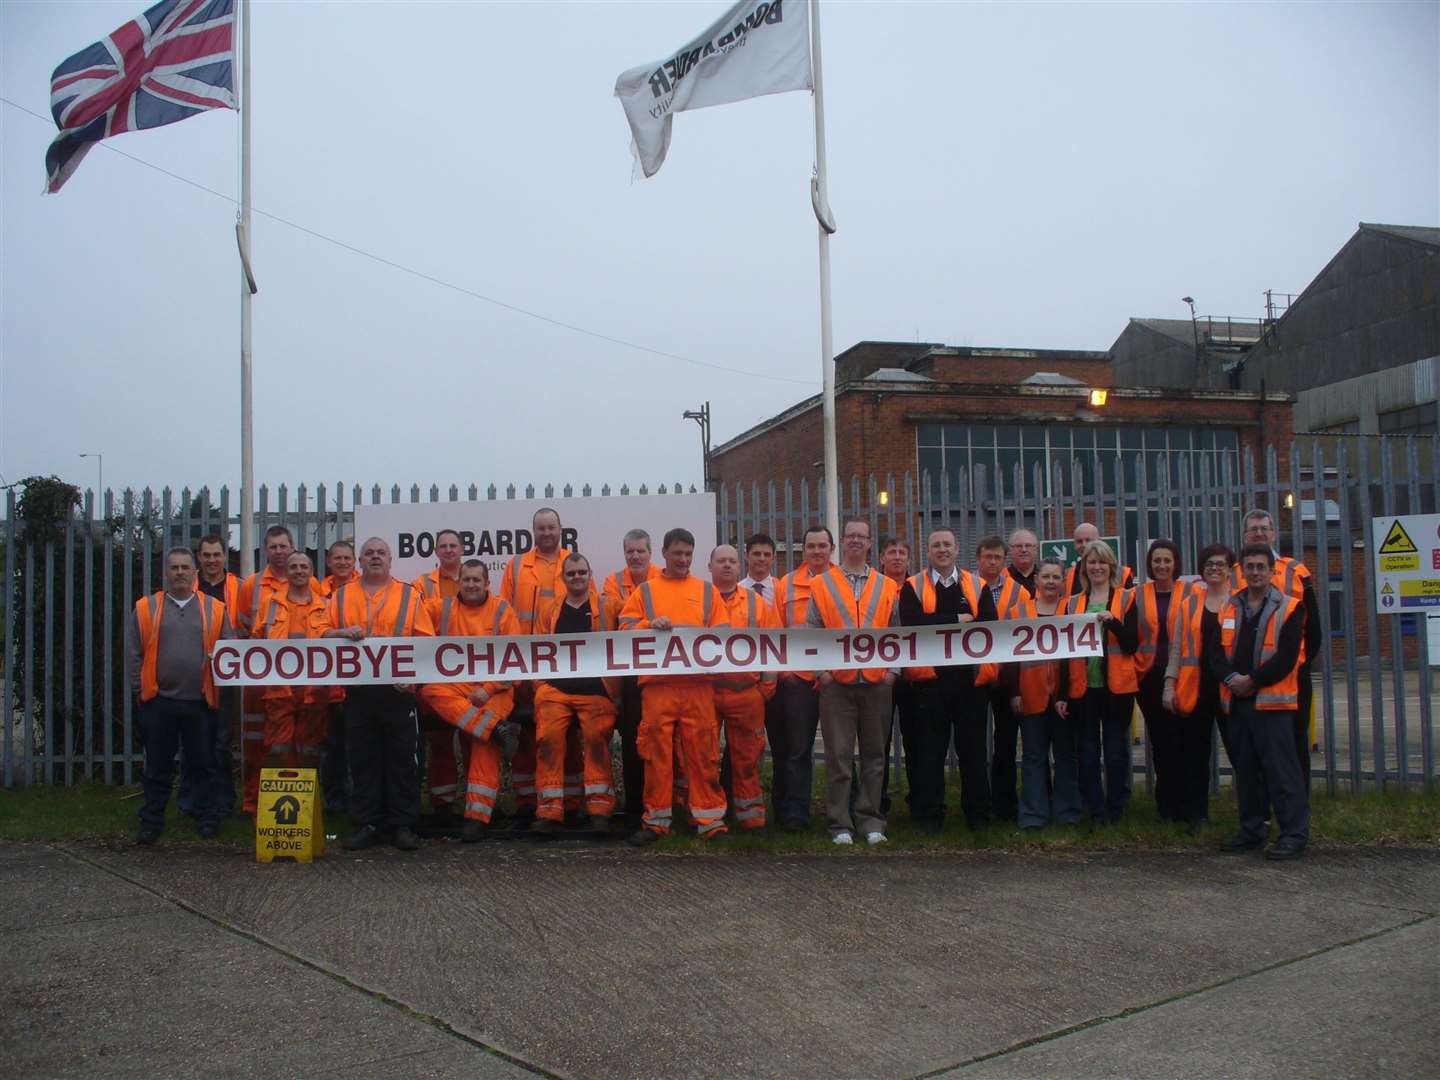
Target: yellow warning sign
column 1388, row 588
column 1397, row 541
column 289, row 818
column 1397, row 564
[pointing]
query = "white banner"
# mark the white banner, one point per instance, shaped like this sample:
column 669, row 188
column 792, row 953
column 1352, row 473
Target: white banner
column 755, row 48
column 495, row 530
column 684, row 651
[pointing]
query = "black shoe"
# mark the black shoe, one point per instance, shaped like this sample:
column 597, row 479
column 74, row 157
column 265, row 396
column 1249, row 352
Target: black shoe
column 1285, row 849
column 977, row 824
column 642, row 838
column 209, row 830
column 600, row 826
column 522, row 820
column 146, row 837
column 405, row 840
column 1237, row 844
column 575, row 819
column 473, row 832
column 367, row 836
column 929, row 827
column 544, row 828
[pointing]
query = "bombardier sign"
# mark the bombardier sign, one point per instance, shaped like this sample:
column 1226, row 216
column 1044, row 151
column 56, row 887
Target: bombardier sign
column 683, row 651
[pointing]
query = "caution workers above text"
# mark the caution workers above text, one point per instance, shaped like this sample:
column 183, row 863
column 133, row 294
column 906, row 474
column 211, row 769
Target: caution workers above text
column 683, row 651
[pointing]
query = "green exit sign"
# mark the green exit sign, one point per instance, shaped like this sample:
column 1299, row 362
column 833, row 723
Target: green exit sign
column 1064, row 550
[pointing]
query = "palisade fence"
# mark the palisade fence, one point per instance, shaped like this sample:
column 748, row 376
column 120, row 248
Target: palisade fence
column 72, row 583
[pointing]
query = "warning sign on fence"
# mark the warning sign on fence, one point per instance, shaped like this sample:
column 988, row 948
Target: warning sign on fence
column 289, row 818
column 1402, row 579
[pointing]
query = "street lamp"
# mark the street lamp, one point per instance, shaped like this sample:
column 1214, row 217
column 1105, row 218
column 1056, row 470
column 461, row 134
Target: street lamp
column 99, row 473
column 1194, row 327
column 702, row 417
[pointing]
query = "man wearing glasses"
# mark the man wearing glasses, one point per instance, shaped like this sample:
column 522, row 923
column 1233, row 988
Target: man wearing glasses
column 1024, row 550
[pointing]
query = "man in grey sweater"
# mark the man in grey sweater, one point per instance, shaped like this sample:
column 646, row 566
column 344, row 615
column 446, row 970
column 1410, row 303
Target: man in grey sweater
column 168, row 640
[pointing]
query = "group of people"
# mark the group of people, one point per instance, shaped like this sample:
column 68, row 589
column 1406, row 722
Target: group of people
column 1232, row 647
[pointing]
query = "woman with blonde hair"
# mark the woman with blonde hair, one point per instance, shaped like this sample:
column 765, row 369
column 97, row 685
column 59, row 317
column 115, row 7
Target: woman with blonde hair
column 1102, row 688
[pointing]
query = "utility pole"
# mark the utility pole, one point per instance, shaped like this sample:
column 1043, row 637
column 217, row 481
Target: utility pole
column 702, row 417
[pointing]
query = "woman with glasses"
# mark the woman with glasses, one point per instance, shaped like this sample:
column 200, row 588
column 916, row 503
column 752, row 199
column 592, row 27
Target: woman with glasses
column 1158, row 603
column 1102, row 688
column 1190, row 694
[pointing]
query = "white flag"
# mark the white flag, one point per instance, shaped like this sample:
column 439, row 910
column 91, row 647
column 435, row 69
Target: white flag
column 756, row 48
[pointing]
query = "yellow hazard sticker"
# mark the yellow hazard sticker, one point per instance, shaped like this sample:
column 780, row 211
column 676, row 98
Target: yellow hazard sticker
column 1397, row 563
column 1397, row 542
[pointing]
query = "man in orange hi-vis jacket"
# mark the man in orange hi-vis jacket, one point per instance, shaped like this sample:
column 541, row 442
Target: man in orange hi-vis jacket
column 479, row 711
column 380, row 727
column 530, row 581
column 563, row 706
column 635, row 545
column 683, row 702
column 254, row 593
column 741, row 696
column 441, row 775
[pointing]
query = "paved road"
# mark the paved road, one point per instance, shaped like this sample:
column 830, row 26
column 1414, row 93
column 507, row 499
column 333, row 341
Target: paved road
column 512, row 961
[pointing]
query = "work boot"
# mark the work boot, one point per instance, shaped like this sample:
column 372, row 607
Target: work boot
column 508, row 735
column 146, row 837
column 544, row 828
column 367, row 836
column 405, row 840
column 600, row 825
column 1285, row 849
column 1240, row 843
column 208, row 830
column 642, row 838
column 574, row 818
column 473, row 832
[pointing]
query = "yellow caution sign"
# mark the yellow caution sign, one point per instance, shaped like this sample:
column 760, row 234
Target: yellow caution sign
column 1397, row 541
column 289, row 818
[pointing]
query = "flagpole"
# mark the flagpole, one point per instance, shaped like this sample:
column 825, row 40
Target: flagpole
column 247, row 289
column 820, row 200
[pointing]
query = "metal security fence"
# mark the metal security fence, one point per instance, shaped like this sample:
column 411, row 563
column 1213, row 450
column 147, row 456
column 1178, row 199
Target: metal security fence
column 1373, row 685
column 74, row 572
column 74, row 567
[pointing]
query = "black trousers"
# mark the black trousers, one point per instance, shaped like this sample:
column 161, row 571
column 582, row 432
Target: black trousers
column 167, row 724
column 1180, row 749
column 1002, row 764
column 1267, row 773
column 382, row 734
column 632, row 766
column 335, row 771
column 1303, row 699
column 800, row 712
column 944, row 710
column 775, row 736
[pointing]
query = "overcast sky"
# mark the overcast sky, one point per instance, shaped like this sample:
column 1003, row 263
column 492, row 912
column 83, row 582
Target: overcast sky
column 1024, row 176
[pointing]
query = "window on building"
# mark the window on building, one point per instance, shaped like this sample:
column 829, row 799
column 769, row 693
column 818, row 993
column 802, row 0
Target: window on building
column 1339, row 616
column 1416, row 420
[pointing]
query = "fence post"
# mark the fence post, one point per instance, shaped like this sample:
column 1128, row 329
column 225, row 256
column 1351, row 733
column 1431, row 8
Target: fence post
column 1397, row 635
column 1322, row 574
column 1422, row 635
column 7, row 677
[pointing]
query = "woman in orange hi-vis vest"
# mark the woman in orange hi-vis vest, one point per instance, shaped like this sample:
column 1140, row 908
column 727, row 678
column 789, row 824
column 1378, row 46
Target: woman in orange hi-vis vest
column 295, row 716
column 1034, row 687
column 1101, row 693
column 683, row 704
column 1158, row 602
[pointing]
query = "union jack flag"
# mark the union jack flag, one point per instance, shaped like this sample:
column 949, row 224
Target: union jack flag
column 174, row 61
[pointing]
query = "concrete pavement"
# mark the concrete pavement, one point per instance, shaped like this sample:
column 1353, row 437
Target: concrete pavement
column 512, row 960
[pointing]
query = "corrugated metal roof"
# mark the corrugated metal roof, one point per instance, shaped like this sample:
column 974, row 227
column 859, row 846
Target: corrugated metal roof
column 1420, row 234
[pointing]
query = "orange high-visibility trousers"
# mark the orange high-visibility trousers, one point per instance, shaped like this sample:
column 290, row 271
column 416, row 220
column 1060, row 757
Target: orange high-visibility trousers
column 741, row 714
column 523, row 765
column 668, row 709
column 252, row 743
column 293, row 737
column 557, row 716
column 441, row 775
column 451, row 702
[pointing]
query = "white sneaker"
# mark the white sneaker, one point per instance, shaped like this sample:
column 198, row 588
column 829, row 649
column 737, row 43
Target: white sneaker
column 873, row 838
column 842, row 838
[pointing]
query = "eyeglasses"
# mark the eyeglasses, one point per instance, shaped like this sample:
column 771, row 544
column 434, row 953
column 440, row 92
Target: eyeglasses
column 1217, row 564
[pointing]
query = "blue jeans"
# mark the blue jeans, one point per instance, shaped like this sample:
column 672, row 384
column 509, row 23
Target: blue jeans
column 1102, row 722
column 1039, row 734
column 165, row 724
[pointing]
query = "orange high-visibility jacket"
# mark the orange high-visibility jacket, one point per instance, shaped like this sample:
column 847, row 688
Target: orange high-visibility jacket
column 232, row 596
column 1187, row 640
column 744, row 608
column 1119, row 668
column 686, row 601
column 1072, row 586
column 619, row 585
column 437, row 584
column 529, row 580
column 971, row 585
column 330, row 583
column 452, row 617
column 604, row 615
column 1011, row 592
column 396, row 610
column 1290, row 576
column 286, row 618
column 1040, row 680
column 841, row 609
column 1281, row 696
column 792, row 600
column 149, row 610
column 254, row 592
column 1147, row 621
